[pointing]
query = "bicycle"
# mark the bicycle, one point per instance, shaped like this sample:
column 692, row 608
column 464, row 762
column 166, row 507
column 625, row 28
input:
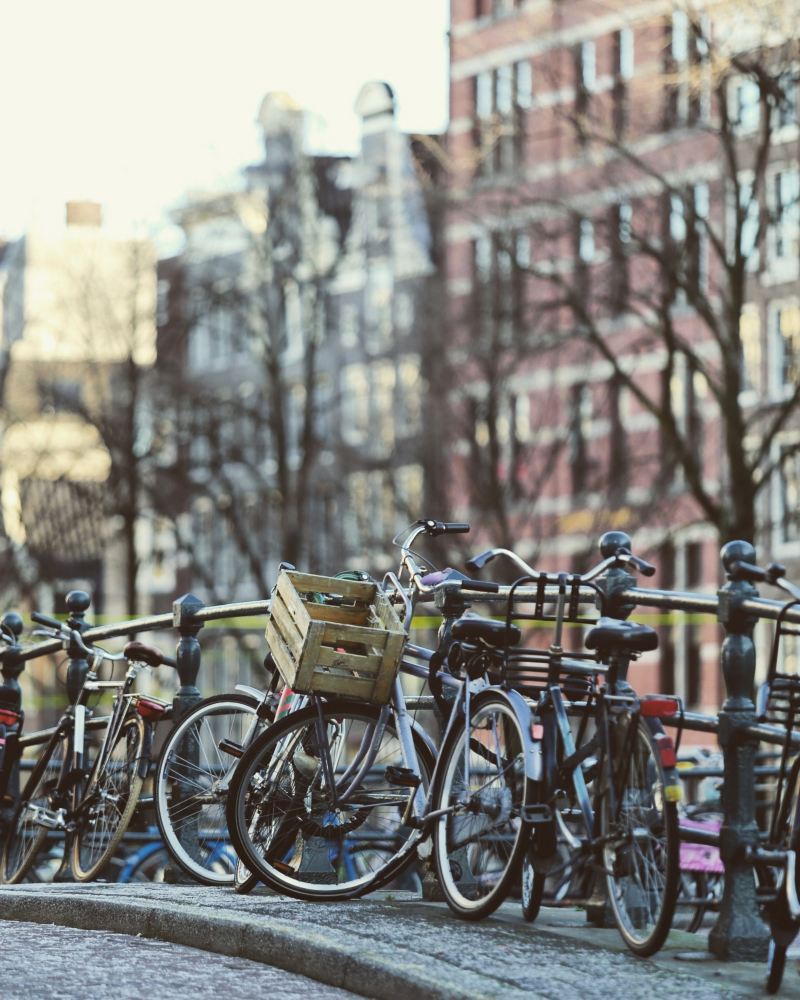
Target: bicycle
column 608, row 793
column 91, row 802
column 337, row 766
column 194, row 768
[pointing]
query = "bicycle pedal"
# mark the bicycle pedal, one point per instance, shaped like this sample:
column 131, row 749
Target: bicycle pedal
column 537, row 813
column 402, row 776
column 234, row 749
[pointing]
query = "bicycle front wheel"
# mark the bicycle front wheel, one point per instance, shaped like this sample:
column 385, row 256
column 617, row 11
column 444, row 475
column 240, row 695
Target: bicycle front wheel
column 639, row 834
column 39, row 810
column 317, row 804
column 191, row 785
column 108, row 802
column 479, row 841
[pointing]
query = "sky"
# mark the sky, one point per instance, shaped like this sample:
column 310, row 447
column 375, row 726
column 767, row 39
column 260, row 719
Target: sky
column 136, row 104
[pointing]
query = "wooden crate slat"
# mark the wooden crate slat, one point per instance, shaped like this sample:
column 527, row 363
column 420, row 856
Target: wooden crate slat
column 281, row 654
column 291, row 602
column 332, row 613
column 307, row 662
column 292, row 637
column 369, row 664
column 309, row 582
column 373, row 637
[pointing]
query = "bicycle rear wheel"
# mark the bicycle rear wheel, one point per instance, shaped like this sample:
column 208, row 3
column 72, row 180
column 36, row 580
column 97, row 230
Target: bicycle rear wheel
column 108, row 801
column 479, row 841
column 298, row 836
column 37, row 812
column 191, row 785
column 639, row 833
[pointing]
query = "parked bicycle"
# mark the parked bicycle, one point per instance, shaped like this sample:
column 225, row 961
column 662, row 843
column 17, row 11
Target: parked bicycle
column 607, row 794
column 86, row 793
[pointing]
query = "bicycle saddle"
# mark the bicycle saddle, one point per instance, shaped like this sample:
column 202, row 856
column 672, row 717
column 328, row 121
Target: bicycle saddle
column 142, row 653
column 611, row 635
column 493, row 633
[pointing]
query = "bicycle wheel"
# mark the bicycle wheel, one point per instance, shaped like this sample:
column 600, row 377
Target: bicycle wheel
column 310, row 791
column 244, row 881
column 191, row 784
column 39, row 810
column 783, row 924
column 479, row 841
column 641, row 849
column 108, row 801
column 532, row 889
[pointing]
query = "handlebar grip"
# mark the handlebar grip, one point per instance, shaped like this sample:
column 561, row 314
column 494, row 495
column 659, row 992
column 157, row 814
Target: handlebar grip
column 645, row 568
column 434, row 528
column 41, row 619
column 480, row 560
column 482, row 586
column 747, row 571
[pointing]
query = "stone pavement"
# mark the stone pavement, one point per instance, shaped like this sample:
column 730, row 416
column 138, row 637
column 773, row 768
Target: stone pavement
column 62, row 963
column 385, row 947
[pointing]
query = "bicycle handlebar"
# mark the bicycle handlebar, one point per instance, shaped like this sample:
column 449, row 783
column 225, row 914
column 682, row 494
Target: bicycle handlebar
column 774, row 574
column 622, row 555
column 41, row 619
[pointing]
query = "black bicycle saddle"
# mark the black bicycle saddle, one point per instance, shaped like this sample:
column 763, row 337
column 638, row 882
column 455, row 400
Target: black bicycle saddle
column 612, row 635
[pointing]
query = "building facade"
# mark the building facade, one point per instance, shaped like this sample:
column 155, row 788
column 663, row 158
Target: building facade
column 622, row 268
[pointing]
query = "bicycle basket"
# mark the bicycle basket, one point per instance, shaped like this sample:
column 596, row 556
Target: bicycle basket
column 333, row 636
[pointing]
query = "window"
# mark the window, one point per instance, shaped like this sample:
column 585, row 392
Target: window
column 348, row 324
column 786, row 112
column 383, row 382
column 586, row 241
column 789, row 495
column 623, row 72
column 746, row 109
column 380, row 282
column 618, row 446
column 523, row 85
column 688, row 211
column 620, row 227
column 584, row 253
column 293, row 319
column 785, row 345
column 409, row 383
column 587, row 66
column 686, row 86
column 355, row 404
column 499, row 96
column 750, row 341
column 623, row 50
column 750, row 232
column 786, row 214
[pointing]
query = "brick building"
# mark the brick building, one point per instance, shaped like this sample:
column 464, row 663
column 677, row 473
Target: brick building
column 622, row 266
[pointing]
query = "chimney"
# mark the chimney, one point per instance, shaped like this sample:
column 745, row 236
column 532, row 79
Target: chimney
column 84, row 213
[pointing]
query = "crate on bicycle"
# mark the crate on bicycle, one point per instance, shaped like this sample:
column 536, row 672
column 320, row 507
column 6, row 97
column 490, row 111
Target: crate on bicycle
column 334, row 636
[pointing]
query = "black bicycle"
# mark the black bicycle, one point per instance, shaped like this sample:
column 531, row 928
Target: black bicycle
column 77, row 787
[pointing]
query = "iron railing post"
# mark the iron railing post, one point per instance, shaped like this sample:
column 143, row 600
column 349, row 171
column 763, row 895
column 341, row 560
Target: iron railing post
column 78, row 602
column 739, row 933
column 187, row 659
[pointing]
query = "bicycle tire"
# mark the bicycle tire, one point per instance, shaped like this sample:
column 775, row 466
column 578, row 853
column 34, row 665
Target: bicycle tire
column 282, row 823
column 189, row 824
column 18, row 856
column 479, row 842
column 641, row 849
column 531, row 889
column 244, row 881
column 783, row 926
column 108, row 801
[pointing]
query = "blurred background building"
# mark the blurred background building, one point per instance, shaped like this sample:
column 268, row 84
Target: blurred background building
column 576, row 310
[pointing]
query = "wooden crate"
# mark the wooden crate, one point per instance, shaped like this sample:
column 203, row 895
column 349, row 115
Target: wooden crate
column 350, row 648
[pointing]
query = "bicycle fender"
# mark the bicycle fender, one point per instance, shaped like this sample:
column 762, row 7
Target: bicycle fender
column 422, row 733
column 251, row 692
column 147, row 749
column 533, row 747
